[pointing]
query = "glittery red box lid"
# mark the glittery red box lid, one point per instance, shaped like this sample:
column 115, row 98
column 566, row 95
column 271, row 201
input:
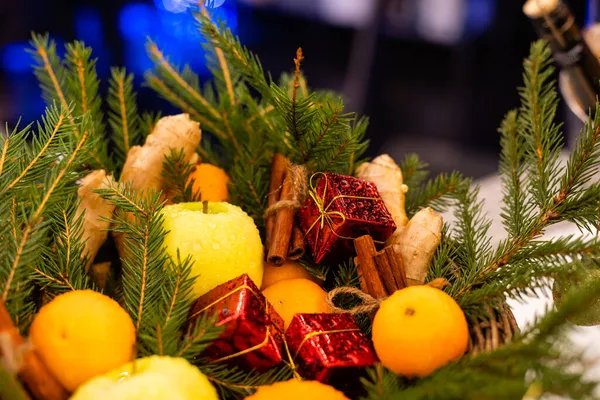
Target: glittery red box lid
column 352, row 207
column 323, row 345
column 249, row 322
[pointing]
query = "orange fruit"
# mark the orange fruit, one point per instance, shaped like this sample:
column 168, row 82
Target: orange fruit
column 82, row 334
column 288, row 270
column 295, row 389
column 211, row 181
column 296, row 296
column 419, row 329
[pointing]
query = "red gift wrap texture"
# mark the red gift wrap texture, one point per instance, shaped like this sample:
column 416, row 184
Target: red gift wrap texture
column 340, row 208
column 249, row 320
column 324, row 346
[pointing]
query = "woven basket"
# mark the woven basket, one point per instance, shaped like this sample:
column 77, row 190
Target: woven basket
column 494, row 332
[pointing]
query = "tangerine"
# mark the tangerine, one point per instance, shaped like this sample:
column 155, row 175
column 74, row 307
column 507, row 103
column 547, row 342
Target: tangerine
column 82, row 334
column 419, row 329
column 295, row 389
column 288, row 270
column 211, row 181
column 296, row 296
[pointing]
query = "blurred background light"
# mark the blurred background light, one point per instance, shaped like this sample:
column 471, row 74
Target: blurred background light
column 136, row 20
column 15, row 59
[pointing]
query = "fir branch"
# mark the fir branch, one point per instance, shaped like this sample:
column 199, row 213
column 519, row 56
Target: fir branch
column 144, row 265
column 45, row 147
column 171, row 76
column 239, row 57
column 437, row 193
column 76, row 83
column 538, row 109
column 123, row 113
column 31, row 212
column 175, row 173
column 233, row 382
column 147, row 122
column 63, row 267
column 171, row 96
column 414, row 171
column 515, row 210
column 49, row 69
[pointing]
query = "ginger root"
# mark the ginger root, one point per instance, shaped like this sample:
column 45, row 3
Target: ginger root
column 417, row 244
column 387, row 176
column 95, row 229
column 144, row 164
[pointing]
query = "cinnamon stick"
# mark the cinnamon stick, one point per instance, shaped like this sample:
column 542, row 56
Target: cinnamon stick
column 282, row 229
column 33, row 372
column 397, row 266
column 297, row 244
column 385, row 272
column 365, row 251
column 278, row 170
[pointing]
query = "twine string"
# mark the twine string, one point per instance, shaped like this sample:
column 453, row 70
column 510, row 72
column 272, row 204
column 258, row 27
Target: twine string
column 297, row 174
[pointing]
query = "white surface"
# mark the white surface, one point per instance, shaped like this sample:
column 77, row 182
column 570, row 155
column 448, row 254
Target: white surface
column 586, row 339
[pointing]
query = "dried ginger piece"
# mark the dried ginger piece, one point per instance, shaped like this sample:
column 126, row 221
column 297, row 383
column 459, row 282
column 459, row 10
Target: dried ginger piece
column 144, row 164
column 416, row 240
column 95, row 229
column 417, row 244
column 387, row 176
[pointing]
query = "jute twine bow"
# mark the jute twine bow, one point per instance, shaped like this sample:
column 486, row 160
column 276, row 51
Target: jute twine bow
column 369, row 304
column 298, row 180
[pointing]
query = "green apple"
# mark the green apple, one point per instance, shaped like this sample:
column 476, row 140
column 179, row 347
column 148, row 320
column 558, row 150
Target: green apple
column 150, row 378
column 587, row 317
column 221, row 238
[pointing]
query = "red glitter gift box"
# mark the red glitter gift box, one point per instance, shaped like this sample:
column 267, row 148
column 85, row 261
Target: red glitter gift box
column 326, row 347
column 339, row 209
column 253, row 333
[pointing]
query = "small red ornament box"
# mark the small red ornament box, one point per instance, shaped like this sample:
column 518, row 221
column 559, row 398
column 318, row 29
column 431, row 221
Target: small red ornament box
column 339, row 209
column 253, row 334
column 325, row 347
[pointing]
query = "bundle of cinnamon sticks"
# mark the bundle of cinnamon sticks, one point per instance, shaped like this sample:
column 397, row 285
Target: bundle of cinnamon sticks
column 284, row 240
column 380, row 273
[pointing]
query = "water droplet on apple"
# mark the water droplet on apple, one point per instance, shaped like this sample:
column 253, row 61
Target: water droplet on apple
column 212, row 226
column 216, row 246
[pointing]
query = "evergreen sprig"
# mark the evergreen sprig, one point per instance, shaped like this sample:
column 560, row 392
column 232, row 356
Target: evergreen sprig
column 175, row 173
column 123, row 115
column 64, row 266
column 37, row 180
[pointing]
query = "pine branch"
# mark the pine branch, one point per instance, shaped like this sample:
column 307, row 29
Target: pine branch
column 33, row 205
column 123, row 113
column 233, row 382
column 147, row 122
column 238, row 56
column 175, row 173
column 63, row 267
column 414, row 171
column 542, row 137
column 512, row 169
column 144, row 266
column 76, row 83
column 185, row 85
column 437, row 193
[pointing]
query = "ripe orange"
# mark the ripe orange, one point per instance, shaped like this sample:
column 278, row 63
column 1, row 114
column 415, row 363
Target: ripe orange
column 295, row 389
column 211, row 181
column 419, row 329
column 81, row 334
column 289, row 270
column 296, row 296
